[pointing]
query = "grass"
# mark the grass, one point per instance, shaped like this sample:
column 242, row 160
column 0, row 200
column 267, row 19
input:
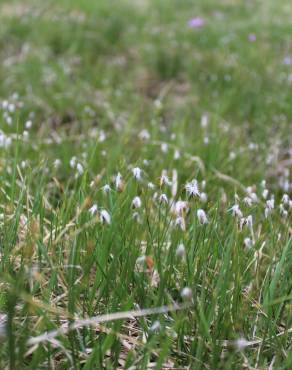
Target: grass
column 92, row 94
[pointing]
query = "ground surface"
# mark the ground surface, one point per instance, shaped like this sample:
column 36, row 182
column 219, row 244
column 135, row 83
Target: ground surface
column 145, row 164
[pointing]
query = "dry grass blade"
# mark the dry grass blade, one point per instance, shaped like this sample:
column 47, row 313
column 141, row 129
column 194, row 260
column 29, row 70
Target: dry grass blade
column 104, row 318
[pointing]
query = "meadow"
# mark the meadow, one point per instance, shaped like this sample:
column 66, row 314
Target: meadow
column 145, row 184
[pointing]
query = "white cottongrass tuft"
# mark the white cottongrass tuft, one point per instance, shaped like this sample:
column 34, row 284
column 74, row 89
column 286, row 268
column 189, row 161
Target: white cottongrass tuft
column 119, row 184
column 180, row 207
column 192, row 188
column 28, row 124
column 3, row 323
column 203, row 197
column 106, row 188
column 236, row 212
column 155, row 327
column 285, row 199
column 270, row 203
column 202, row 217
column 150, row 185
column 241, row 343
column 186, row 294
column 137, row 173
column 164, row 180
column 79, row 169
column 73, row 162
column 136, row 202
column 93, row 209
column 247, row 243
column 57, row 163
column 144, row 135
column 180, row 222
column 265, row 193
column 163, row 198
column 180, row 251
column 105, row 217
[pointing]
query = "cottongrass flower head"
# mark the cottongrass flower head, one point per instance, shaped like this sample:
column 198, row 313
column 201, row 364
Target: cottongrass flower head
column 105, row 217
column 236, row 212
column 57, row 163
column 247, row 201
column 28, row 124
column 186, row 294
column 136, row 202
column 265, row 193
column 241, row 343
column 155, row 327
column 164, row 147
column 93, row 209
column 202, row 217
column 164, row 179
column 285, row 199
column 203, row 197
column 270, row 203
column 181, row 223
column 180, row 207
column 192, row 188
column 163, row 198
column 144, row 135
column 180, row 251
column 119, row 183
column 137, row 173
column 106, row 189
column 150, row 185
column 3, row 323
column 176, row 154
column 247, row 243
column 79, row 169
column 283, row 211
column 73, row 162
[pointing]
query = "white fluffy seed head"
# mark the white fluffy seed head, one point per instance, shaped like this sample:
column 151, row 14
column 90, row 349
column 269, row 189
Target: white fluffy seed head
column 265, row 193
column 247, row 243
column 241, row 343
column 163, row 198
column 236, row 212
column 136, row 202
column 180, row 207
column 79, row 169
column 119, row 183
column 186, row 294
column 137, row 173
column 106, row 188
column 105, row 217
column 144, row 135
column 93, row 209
column 202, row 217
column 180, row 222
column 270, row 203
column 155, row 327
column 28, row 124
column 203, row 197
column 192, row 188
column 285, row 199
column 3, row 323
column 57, row 163
column 180, row 251
column 150, row 185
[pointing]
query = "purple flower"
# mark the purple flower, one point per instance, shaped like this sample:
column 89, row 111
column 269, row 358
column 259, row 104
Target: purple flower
column 287, row 61
column 252, row 37
column 196, row 22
